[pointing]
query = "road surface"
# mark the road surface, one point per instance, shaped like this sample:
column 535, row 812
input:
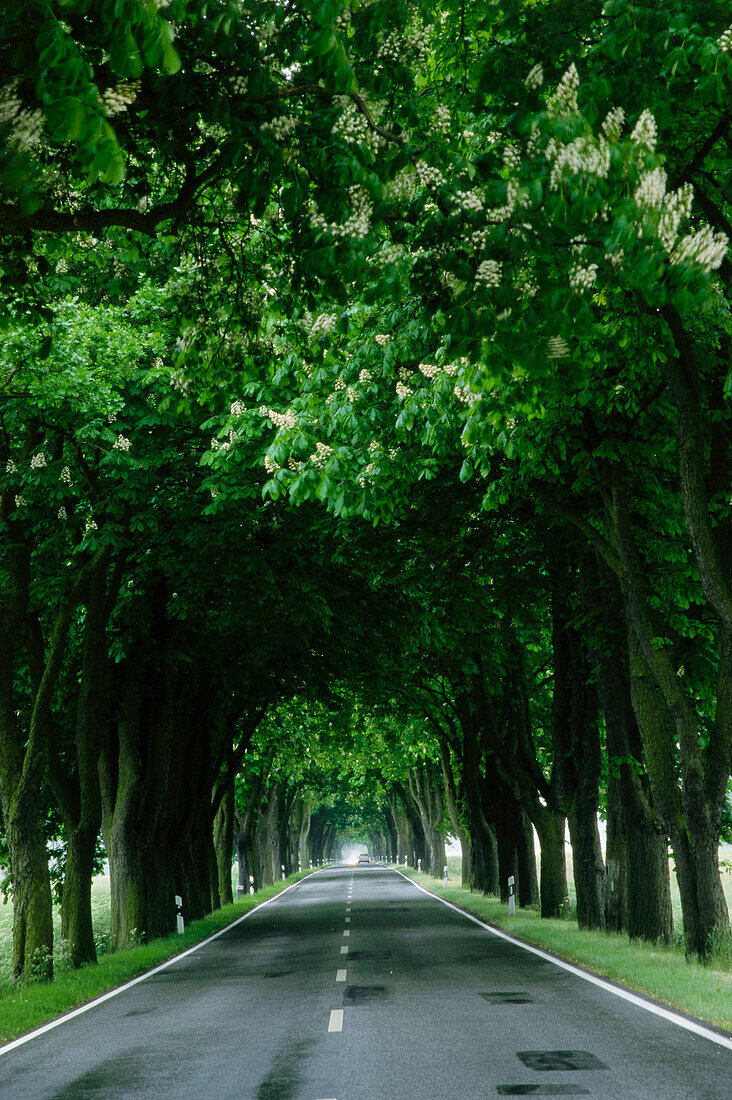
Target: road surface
column 356, row 985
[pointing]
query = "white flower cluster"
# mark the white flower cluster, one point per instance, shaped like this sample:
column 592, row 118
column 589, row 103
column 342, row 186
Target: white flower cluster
column 238, row 408
column 705, row 248
column 564, row 100
column 280, row 128
column 582, row 277
column 321, row 454
column 158, row 363
column 38, row 461
column 429, row 175
column 429, row 370
column 62, row 514
column 374, row 447
column 89, row 526
column 116, row 100
column 280, row 420
column 441, row 120
column 645, row 133
column 612, row 126
column 512, row 158
column 557, row 347
column 270, row 465
column 586, row 155
column 322, row 325
column 466, row 395
column 239, row 84
column 489, row 273
column 667, row 208
column 214, row 444
column 352, row 125
column 535, row 78
column 179, row 382
column 469, row 200
column 403, row 391
column 62, row 267
column 339, row 384
column 364, row 376
column 11, row 467
column 725, row 40
column 20, row 501
column 121, row 443
column 25, row 125
column 403, row 187
column 382, row 339
column 390, row 254
column 65, row 476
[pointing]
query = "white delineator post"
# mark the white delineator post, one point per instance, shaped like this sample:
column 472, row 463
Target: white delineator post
column 419, row 864
column 511, row 897
column 311, row 864
column 283, row 871
column 299, row 867
column 179, row 912
column 251, row 884
column 444, row 875
column 405, row 861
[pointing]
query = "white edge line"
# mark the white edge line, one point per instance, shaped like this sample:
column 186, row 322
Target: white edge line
column 19, row 1042
column 624, row 994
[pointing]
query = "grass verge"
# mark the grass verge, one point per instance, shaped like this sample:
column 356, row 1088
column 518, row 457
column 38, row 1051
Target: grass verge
column 660, row 972
column 29, row 1005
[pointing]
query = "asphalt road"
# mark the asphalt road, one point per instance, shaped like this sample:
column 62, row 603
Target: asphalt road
column 355, row 985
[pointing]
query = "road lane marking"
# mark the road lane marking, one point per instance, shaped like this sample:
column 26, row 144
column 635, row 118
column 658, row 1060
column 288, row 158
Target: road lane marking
column 150, row 973
column 348, row 920
column 347, row 932
column 336, row 1020
column 344, row 950
column 617, row 991
column 340, row 975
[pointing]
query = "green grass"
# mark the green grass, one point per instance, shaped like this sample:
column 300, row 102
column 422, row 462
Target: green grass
column 24, row 1007
column 659, row 972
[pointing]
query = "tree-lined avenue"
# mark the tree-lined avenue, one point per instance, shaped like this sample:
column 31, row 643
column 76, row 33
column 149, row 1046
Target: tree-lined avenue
column 406, row 998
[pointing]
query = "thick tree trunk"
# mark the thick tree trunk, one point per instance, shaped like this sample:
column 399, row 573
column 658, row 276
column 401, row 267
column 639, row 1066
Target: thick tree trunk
column 528, row 883
column 550, row 825
column 224, row 842
column 32, row 920
column 76, row 913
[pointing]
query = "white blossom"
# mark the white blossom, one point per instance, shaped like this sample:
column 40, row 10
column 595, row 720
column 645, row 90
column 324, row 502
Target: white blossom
column 535, row 78
column 429, row 176
column 38, row 461
column 725, row 40
column 582, row 278
column 281, row 127
column 564, row 100
column 116, row 100
column 489, row 273
column 364, row 377
column 65, row 476
column 429, row 370
column 403, row 391
column 62, row 514
column 557, row 347
column 11, row 467
column 270, row 465
column 90, row 525
column 321, row 454
column 612, row 126
column 382, row 339
column 20, row 501
column 121, row 443
column 280, row 420
column 238, row 408
column 645, row 133
column 706, row 248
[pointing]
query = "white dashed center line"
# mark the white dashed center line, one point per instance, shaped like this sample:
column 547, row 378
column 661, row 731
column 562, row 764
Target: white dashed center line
column 347, row 932
column 348, row 920
column 336, row 1020
column 340, row 975
column 344, row 950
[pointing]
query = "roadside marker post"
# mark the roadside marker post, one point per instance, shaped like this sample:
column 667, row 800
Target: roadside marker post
column 283, row 871
column 299, row 867
column 419, row 865
column 511, row 897
column 251, row 885
column 405, row 861
column 444, row 876
column 179, row 912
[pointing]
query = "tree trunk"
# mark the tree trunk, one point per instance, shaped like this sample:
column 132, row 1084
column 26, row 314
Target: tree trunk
column 76, row 913
column 550, row 825
column 224, row 842
column 32, row 920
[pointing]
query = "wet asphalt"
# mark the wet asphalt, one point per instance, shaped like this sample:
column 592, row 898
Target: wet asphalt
column 354, row 985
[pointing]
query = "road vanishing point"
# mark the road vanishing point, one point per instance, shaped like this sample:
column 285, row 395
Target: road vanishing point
column 356, row 984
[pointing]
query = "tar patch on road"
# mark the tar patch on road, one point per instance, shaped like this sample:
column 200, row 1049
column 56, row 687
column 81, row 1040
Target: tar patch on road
column 278, row 973
column 372, row 956
column 362, row 994
column 285, row 1077
column 542, row 1090
column 559, row 1059
column 507, row 998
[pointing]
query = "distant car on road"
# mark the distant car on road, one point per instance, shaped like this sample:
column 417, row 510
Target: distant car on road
column 364, row 858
